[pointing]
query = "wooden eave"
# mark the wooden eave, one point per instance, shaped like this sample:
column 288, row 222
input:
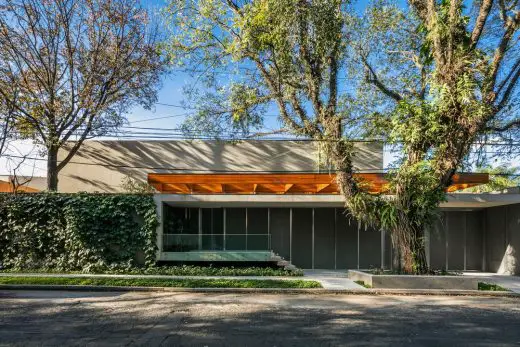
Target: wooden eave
column 281, row 183
column 7, row 187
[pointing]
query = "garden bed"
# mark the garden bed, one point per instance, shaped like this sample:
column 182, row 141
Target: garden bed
column 393, row 281
column 159, row 282
column 181, row 270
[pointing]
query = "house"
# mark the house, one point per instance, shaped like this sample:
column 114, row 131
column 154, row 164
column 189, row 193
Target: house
column 246, row 201
column 27, row 184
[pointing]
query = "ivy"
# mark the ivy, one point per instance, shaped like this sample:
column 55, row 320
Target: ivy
column 87, row 232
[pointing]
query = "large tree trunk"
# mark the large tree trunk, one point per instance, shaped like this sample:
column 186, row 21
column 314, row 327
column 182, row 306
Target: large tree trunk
column 409, row 241
column 52, row 169
column 408, row 233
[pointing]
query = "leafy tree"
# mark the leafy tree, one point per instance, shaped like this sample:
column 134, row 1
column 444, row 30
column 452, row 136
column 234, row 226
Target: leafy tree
column 129, row 184
column 448, row 81
column 435, row 79
column 70, row 69
column 500, row 178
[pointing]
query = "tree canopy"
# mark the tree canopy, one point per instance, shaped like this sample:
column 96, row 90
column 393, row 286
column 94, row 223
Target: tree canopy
column 433, row 78
column 71, row 69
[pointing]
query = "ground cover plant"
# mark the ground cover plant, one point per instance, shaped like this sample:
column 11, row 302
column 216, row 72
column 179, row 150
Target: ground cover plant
column 159, row 282
column 183, row 270
column 362, row 283
column 491, row 287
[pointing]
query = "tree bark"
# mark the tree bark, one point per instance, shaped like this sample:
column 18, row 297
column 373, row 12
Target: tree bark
column 409, row 241
column 52, row 169
column 407, row 235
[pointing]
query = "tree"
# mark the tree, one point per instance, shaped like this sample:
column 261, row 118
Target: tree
column 447, row 83
column 75, row 67
column 129, row 184
column 500, row 177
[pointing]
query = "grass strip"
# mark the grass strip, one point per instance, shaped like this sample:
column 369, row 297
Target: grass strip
column 160, row 282
column 491, row 287
column 362, row 283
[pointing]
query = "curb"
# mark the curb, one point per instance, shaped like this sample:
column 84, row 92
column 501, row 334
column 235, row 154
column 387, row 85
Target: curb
column 317, row 291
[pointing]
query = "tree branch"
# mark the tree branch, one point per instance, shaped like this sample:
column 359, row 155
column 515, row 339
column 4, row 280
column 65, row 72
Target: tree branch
column 485, row 8
column 381, row 86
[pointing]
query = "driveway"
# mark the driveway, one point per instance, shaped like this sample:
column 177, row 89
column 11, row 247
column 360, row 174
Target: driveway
column 197, row 319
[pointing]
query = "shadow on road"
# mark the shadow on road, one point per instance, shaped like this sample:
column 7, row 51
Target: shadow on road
column 262, row 320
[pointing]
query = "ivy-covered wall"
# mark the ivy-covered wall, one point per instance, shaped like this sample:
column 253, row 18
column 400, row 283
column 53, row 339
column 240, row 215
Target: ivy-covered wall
column 88, row 232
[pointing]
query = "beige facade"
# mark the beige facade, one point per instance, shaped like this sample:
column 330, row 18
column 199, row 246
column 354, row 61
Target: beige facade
column 102, row 165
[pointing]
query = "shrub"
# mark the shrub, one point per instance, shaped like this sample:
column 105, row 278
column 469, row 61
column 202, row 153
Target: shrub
column 88, row 232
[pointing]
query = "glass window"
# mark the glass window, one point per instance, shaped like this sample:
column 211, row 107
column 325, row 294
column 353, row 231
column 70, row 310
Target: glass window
column 212, row 229
column 181, row 229
column 235, row 221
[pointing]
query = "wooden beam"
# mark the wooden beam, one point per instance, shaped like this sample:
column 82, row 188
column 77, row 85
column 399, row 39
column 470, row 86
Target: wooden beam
column 320, row 187
column 282, row 183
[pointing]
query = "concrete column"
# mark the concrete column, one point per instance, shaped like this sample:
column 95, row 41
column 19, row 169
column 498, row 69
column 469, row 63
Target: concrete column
column 427, row 235
column 159, row 204
column 382, row 249
column 290, row 233
column 313, row 238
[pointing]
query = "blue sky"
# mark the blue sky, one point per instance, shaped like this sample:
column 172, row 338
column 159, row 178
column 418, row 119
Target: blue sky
column 161, row 116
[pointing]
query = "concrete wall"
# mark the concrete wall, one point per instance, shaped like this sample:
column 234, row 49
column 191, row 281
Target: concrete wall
column 456, row 241
column 102, row 165
column 502, row 241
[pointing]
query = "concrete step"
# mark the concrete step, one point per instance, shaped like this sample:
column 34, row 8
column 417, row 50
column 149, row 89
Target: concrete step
column 281, row 262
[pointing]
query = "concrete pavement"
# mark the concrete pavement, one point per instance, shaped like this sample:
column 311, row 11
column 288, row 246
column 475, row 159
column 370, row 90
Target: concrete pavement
column 193, row 319
column 511, row 283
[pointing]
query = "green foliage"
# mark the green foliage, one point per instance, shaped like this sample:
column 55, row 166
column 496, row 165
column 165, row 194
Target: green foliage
column 500, row 177
column 87, row 232
column 362, row 283
column 281, row 53
column 491, row 287
column 160, row 282
column 131, row 185
column 183, row 270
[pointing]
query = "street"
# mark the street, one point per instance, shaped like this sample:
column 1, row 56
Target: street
column 53, row 318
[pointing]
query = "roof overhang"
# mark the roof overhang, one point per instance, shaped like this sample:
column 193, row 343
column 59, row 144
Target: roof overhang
column 7, row 187
column 454, row 201
column 282, row 183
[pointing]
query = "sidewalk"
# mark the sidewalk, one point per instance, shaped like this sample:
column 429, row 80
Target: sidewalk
column 332, row 279
column 511, row 283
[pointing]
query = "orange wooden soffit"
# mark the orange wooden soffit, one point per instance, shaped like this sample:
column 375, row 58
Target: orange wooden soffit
column 6, row 187
column 281, row 183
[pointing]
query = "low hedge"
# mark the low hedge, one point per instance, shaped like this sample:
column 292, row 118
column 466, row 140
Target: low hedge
column 158, row 282
column 177, row 270
column 77, row 232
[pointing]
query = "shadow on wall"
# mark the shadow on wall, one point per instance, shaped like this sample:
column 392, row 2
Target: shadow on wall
column 509, row 264
column 110, row 161
column 503, row 239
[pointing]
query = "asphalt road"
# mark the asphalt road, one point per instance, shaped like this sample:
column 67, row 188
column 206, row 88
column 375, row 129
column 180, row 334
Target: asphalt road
column 196, row 319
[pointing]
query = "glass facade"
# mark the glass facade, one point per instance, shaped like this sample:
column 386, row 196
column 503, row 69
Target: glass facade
column 215, row 229
column 321, row 238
